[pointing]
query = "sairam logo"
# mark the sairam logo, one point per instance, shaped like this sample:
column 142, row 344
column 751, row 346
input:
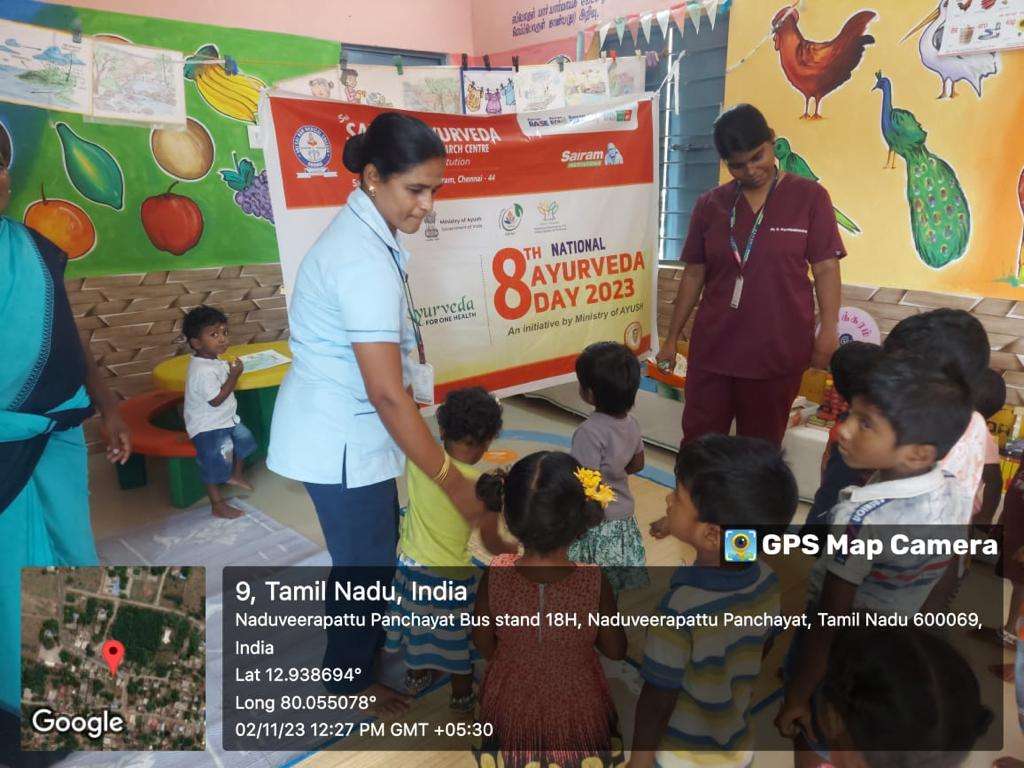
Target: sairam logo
column 511, row 218
column 447, row 312
column 592, row 159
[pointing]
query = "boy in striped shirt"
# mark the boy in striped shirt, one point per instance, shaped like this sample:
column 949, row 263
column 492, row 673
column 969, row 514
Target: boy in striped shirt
column 698, row 681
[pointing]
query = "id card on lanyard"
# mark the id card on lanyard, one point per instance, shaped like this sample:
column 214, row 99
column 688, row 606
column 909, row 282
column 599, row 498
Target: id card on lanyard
column 422, row 371
column 741, row 260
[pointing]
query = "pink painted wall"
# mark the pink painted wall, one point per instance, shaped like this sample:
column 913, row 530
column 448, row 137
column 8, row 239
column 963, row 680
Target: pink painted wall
column 424, row 25
column 493, row 25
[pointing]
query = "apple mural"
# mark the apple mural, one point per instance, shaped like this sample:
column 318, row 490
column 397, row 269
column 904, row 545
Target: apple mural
column 172, row 222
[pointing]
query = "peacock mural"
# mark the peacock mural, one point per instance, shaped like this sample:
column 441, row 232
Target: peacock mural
column 940, row 218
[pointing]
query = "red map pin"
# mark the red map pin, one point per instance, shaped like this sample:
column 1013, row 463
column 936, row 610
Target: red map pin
column 113, row 653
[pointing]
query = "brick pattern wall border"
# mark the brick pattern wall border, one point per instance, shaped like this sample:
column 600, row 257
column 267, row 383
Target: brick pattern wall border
column 1002, row 318
column 132, row 322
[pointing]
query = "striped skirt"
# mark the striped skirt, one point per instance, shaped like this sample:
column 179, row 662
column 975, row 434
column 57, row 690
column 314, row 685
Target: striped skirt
column 446, row 647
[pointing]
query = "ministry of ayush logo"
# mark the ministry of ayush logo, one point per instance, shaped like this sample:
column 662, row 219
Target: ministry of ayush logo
column 547, row 209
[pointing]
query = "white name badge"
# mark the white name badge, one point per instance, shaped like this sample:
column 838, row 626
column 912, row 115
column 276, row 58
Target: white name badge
column 423, row 383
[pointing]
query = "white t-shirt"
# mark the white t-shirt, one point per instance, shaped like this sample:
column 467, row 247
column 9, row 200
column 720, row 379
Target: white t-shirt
column 966, row 461
column 202, row 383
column 891, row 582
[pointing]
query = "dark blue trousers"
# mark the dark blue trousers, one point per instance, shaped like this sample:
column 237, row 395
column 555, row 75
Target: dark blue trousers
column 360, row 526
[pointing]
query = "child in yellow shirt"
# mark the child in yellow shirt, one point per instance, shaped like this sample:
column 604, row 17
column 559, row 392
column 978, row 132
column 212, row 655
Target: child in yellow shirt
column 433, row 550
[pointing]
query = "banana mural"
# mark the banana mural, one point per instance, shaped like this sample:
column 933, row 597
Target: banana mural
column 236, row 96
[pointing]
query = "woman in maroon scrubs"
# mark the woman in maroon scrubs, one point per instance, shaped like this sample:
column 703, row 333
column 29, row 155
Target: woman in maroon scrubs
column 748, row 250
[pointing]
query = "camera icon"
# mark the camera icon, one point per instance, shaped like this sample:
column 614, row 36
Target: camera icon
column 740, row 546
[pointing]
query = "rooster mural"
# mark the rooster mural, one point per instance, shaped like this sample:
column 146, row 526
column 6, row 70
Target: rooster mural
column 817, row 69
column 791, row 162
column 939, row 217
column 972, row 68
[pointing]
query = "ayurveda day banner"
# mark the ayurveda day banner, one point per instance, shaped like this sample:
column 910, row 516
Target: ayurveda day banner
column 543, row 239
column 923, row 154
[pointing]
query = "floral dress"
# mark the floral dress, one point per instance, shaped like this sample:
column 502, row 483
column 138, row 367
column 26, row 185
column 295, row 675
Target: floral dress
column 544, row 691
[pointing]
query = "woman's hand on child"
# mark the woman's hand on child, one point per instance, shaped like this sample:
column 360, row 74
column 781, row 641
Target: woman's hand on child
column 659, row 528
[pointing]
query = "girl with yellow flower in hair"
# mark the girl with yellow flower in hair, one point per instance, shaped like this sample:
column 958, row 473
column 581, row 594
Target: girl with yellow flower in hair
column 544, row 692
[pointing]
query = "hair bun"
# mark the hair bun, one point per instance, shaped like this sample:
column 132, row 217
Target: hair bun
column 490, row 489
column 352, row 155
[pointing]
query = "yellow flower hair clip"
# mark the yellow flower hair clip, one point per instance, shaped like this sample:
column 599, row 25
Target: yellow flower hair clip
column 593, row 488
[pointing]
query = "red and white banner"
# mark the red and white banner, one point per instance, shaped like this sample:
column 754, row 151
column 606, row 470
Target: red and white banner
column 543, row 238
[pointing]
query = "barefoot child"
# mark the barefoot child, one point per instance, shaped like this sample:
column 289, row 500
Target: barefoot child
column 544, row 691
column 433, row 550
column 222, row 442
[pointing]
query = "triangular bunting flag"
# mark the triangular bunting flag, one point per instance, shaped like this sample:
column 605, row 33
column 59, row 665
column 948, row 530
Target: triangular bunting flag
column 620, row 28
column 663, row 21
column 645, row 25
column 693, row 9
column 679, row 17
column 711, row 9
column 603, row 32
column 633, row 25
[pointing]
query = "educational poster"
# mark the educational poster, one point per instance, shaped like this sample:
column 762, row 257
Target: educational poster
column 136, row 84
column 325, row 84
column 586, row 82
column 432, row 89
column 983, row 25
column 124, row 198
column 626, row 76
column 44, row 68
column 376, row 85
column 543, row 239
column 539, row 88
column 488, row 91
column 423, row 89
column 921, row 153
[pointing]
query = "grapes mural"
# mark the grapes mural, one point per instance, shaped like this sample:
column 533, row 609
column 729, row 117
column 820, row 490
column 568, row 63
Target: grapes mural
column 252, row 194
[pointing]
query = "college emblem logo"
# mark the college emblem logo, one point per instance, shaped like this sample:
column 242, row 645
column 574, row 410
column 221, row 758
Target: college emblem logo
column 313, row 149
column 511, row 217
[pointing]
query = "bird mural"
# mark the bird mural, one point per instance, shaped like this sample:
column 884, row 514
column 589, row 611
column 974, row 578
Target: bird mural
column 816, row 69
column 791, row 162
column 972, row 68
column 939, row 216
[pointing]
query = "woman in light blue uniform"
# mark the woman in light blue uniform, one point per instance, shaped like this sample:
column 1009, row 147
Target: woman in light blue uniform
column 345, row 419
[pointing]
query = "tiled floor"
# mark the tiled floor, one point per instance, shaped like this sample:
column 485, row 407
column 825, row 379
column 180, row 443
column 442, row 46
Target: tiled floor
column 115, row 511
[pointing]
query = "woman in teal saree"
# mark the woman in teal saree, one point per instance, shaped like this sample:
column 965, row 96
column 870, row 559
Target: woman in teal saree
column 49, row 384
